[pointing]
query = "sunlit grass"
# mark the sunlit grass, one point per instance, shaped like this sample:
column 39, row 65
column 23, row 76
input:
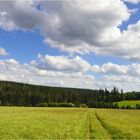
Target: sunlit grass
column 121, row 123
column 68, row 123
column 131, row 103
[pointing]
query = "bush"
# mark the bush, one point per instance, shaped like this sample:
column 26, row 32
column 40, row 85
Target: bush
column 61, row 105
column 137, row 106
column 42, row 105
column 133, row 108
column 83, row 106
column 123, row 107
column 116, row 105
column 55, row 105
column 128, row 107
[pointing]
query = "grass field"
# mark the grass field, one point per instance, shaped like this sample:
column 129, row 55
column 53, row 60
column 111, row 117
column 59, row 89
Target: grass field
column 131, row 103
column 72, row 123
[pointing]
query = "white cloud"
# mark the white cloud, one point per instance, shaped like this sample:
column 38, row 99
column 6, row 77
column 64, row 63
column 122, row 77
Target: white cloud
column 114, row 68
column 117, row 73
column 2, row 77
column 3, row 52
column 128, row 79
column 127, row 83
column 12, row 62
column 87, row 28
column 111, row 68
column 95, row 68
column 125, row 77
column 12, row 70
column 134, row 69
column 18, row 14
column 61, row 63
column 75, row 26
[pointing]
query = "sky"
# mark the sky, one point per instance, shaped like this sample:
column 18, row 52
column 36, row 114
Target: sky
column 88, row 44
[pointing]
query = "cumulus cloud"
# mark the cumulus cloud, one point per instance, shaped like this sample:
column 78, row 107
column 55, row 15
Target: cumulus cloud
column 111, row 68
column 127, row 83
column 12, row 62
column 12, row 70
column 127, row 45
column 123, row 79
column 87, row 28
column 17, row 14
column 2, row 77
column 76, row 26
column 126, row 77
column 96, row 68
column 3, row 52
column 61, row 63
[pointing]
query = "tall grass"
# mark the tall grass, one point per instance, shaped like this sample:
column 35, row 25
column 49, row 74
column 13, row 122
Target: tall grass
column 121, row 124
column 68, row 123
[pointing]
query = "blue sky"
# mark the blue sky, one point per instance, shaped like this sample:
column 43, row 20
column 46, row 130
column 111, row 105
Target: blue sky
column 133, row 18
column 85, row 53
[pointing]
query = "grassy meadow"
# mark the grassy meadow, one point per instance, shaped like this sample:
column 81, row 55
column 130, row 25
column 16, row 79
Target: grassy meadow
column 132, row 103
column 68, row 123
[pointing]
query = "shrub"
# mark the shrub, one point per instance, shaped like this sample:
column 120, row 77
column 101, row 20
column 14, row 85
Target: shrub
column 83, row 106
column 116, row 105
column 137, row 106
column 77, row 104
column 61, row 105
column 128, row 107
column 123, row 107
column 42, row 105
column 133, row 108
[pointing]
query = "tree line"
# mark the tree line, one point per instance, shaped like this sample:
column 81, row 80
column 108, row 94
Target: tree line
column 20, row 94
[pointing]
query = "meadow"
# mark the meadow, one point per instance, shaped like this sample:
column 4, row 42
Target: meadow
column 132, row 103
column 68, row 123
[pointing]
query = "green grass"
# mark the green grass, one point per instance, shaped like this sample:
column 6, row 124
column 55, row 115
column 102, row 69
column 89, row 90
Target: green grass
column 68, row 123
column 131, row 103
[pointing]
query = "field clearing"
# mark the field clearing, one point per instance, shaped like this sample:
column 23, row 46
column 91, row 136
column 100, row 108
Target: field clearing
column 68, row 123
column 131, row 103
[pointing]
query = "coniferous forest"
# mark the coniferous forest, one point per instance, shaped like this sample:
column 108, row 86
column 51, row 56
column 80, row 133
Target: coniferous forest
column 20, row 94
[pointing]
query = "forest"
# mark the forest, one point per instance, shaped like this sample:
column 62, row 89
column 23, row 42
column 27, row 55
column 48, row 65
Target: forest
column 20, row 94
